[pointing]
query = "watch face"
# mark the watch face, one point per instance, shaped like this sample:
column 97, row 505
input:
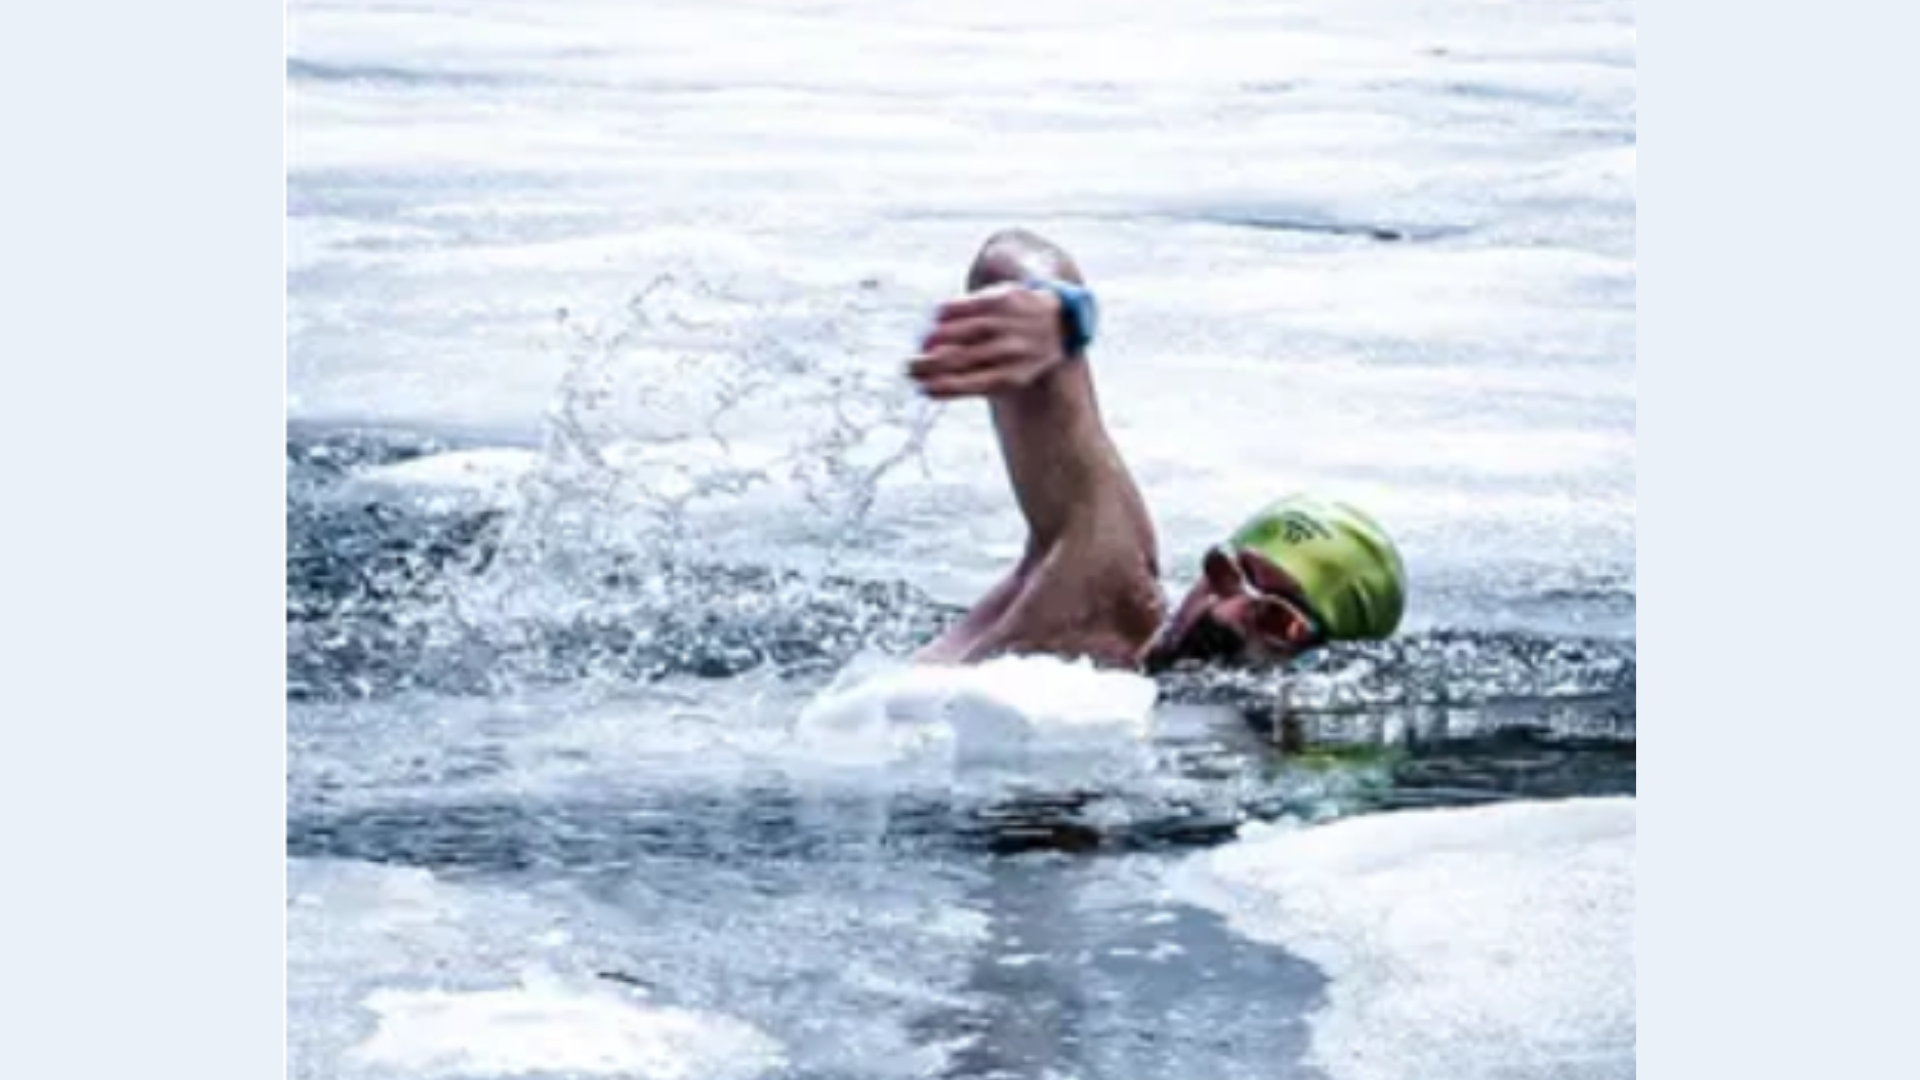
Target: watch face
column 1076, row 312
column 1079, row 314
column 1088, row 314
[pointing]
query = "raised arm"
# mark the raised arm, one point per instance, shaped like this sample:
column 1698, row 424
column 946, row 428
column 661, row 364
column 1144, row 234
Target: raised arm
column 1087, row 582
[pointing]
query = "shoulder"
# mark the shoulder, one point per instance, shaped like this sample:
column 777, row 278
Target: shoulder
column 1100, row 594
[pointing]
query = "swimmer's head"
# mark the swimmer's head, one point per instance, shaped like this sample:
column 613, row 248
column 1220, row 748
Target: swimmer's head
column 1303, row 572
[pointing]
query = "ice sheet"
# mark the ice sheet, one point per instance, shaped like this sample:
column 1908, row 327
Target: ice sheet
column 1491, row 943
column 394, row 972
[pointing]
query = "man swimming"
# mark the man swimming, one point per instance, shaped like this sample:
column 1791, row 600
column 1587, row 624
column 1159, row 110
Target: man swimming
column 1303, row 572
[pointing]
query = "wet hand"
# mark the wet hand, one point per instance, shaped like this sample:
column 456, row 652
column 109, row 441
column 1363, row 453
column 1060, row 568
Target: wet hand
column 990, row 342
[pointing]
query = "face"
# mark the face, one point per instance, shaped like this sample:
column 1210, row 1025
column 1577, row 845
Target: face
column 1244, row 609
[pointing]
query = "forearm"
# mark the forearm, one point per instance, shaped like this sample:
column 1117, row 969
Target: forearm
column 1058, row 456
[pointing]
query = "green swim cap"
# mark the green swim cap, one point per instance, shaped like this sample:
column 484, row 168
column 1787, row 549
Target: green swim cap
column 1348, row 568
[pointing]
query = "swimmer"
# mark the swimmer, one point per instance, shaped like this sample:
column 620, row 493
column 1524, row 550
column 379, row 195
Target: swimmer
column 1302, row 572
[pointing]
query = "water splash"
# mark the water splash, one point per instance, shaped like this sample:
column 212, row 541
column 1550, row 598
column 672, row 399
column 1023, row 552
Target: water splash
column 698, row 395
column 713, row 449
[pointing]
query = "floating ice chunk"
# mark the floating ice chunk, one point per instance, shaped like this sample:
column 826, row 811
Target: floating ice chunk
column 393, row 972
column 1493, row 942
column 547, row 1027
column 996, row 712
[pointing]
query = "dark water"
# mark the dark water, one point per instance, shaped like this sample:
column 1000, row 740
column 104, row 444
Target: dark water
column 410, row 708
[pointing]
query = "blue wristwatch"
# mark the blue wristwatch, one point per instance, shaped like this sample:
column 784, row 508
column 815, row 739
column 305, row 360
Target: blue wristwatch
column 1079, row 313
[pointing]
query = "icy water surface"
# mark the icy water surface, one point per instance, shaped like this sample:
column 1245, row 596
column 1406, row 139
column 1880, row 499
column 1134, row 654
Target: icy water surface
column 586, row 837
column 600, row 473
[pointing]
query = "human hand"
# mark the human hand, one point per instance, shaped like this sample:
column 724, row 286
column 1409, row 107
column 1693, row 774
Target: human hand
column 990, row 342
